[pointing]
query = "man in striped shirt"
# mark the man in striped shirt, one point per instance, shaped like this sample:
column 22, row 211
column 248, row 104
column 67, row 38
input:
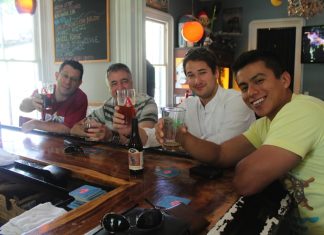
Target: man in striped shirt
column 107, row 125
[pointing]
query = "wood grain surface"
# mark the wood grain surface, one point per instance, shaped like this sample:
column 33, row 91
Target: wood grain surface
column 108, row 165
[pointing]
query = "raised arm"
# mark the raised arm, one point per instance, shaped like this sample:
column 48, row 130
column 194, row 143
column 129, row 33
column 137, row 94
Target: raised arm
column 227, row 154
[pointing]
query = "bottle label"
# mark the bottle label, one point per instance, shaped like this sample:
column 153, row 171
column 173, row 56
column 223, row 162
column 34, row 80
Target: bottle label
column 135, row 159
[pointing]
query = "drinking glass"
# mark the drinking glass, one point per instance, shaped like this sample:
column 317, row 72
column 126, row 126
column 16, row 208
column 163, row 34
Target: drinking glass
column 126, row 102
column 87, row 125
column 173, row 118
column 46, row 91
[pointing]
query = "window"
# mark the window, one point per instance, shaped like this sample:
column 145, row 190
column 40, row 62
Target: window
column 19, row 63
column 159, row 52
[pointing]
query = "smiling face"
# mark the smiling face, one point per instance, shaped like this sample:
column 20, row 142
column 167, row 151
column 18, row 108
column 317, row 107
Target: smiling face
column 68, row 80
column 119, row 80
column 201, row 80
column 261, row 90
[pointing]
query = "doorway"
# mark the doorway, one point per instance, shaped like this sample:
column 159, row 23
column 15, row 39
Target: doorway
column 294, row 26
column 281, row 41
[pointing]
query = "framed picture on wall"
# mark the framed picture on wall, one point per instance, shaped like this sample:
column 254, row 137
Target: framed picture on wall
column 232, row 20
column 162, row 5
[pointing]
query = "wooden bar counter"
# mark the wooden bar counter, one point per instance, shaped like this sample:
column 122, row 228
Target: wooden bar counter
column 108, row 165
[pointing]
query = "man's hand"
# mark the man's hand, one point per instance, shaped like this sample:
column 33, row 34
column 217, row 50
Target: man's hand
column 78, row 129
column 159, row 131
column 97, row 131
column 31, row 103
column 181, row 133
column 119, row 123
column 37, row 103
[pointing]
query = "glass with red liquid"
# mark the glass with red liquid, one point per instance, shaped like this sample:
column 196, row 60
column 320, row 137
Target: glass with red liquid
column 126, row 103
column 46, row 90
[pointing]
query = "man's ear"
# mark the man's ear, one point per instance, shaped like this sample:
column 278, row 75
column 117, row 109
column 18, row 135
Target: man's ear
column 286, row 79
column 216, row 71
column 57, row 75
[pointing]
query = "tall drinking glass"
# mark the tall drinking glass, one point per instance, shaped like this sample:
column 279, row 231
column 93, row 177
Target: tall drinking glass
column 46, row 90
column 126, row 102
column 173, row 118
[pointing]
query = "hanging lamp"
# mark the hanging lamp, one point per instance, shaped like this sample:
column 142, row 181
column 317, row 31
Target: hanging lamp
column 26, row 6
column 192, row 31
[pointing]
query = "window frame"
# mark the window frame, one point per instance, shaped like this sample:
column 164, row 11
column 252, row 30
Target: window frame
column 155, row 15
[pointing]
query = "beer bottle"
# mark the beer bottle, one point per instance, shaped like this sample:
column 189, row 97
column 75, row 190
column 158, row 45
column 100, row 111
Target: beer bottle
column 135, row 151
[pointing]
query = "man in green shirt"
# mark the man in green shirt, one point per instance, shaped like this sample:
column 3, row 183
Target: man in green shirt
column 286, row 143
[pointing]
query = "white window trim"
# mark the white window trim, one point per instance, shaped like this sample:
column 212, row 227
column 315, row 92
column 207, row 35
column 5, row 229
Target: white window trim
column 298, row 23
column 164, row 17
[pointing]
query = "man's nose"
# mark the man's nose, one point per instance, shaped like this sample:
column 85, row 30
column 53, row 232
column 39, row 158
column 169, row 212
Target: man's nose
column 252, row 90
column 120, row 86
column 197, row 78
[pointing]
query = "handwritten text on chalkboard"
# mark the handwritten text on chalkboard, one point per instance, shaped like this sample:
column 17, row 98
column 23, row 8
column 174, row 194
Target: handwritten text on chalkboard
column 80, row 29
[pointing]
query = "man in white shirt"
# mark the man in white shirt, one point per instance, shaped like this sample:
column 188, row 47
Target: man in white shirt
column 214, row 113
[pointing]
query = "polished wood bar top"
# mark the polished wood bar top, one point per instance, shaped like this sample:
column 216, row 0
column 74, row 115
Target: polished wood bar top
column 108, row 165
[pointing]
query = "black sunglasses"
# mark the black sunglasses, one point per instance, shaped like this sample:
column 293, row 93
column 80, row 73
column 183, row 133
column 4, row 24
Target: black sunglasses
column 148, row 219
column 73, row 149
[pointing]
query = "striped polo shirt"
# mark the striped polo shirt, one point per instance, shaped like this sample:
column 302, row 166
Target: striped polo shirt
column 145, row 106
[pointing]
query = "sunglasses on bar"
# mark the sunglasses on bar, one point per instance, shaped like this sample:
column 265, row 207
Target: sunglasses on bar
column 73, row 149
column 148, row 219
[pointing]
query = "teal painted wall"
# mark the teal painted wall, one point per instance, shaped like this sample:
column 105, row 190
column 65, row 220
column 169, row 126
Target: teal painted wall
column 313, row 77
column 313, row 74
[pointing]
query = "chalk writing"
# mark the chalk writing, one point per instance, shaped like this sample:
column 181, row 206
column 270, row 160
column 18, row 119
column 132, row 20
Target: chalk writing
column 80, row 29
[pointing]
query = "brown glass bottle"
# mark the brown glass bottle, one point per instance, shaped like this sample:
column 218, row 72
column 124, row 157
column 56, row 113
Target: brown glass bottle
column 135, row 151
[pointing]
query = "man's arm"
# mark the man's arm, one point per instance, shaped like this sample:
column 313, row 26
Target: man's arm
column 225, row 155
column 45, row 126
column 261, row 167
column 78, row 129
column 255, row 168
column 143, row 134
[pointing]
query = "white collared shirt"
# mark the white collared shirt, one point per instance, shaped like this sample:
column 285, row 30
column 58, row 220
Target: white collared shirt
column 223, row 117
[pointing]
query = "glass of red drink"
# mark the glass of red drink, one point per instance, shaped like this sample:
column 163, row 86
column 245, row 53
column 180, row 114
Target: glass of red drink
column 46, row 90
column 126, row 102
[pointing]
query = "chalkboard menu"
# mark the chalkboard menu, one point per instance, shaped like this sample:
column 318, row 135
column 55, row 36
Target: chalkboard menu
column 81, row 30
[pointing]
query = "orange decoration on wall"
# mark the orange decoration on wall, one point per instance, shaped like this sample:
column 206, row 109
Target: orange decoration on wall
column 26, row 6
column 192, row 31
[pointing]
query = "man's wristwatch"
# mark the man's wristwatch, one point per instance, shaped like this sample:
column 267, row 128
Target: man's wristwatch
column 115, row 137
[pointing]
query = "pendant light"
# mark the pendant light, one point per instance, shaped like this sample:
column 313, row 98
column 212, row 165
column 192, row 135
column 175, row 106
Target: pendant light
column 192, row 31
column 26, row 6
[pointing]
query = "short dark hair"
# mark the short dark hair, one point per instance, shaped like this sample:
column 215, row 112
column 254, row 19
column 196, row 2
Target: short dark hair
column 270, row 60
column 74, row 64
column 118, row 67
column 201, row 54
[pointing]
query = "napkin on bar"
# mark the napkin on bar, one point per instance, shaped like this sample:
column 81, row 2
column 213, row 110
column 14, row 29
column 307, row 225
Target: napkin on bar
column 7, row 158
column 33, row 218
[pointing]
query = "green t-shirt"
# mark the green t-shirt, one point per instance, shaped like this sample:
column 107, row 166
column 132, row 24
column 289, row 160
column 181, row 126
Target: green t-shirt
column 298, row 127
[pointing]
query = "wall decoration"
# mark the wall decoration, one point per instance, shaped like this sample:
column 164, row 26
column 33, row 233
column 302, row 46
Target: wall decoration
column 162, row 5
column 232, row 20
column 81, row 30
